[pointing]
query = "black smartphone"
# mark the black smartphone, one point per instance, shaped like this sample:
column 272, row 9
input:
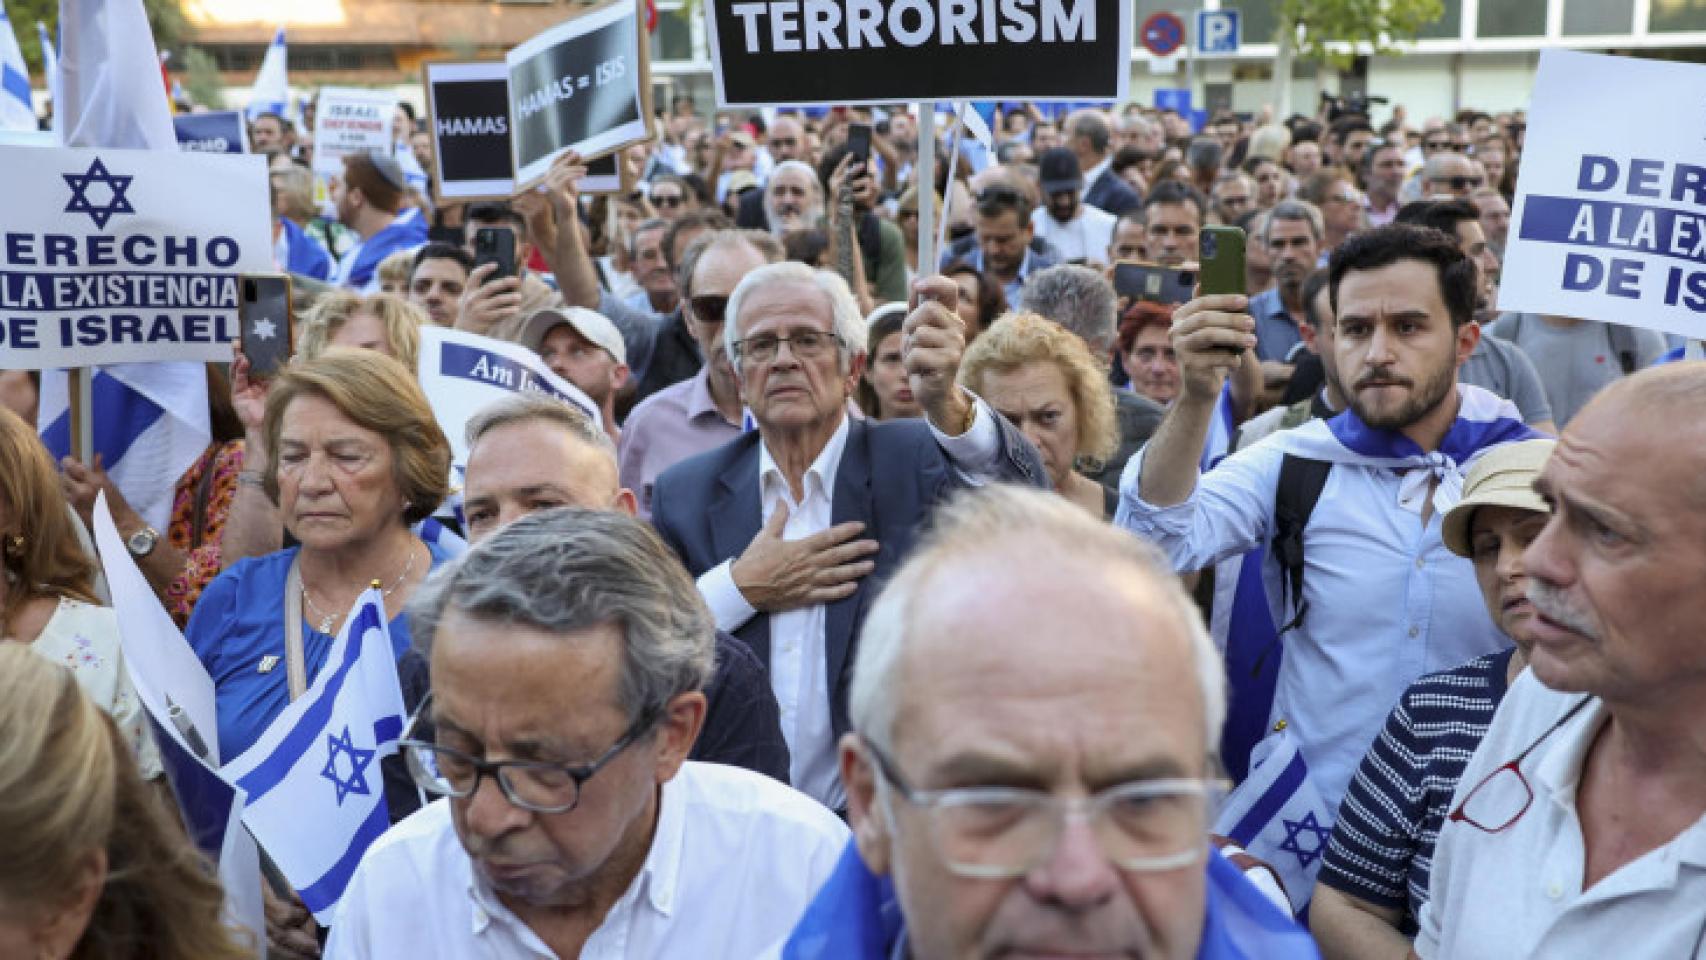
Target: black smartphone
column 1153, row 282
column 265, row 328
column 859, row 141
column 1221, row 257
column 495, row 245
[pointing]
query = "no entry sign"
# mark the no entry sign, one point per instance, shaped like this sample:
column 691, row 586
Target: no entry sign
column 1162, row 34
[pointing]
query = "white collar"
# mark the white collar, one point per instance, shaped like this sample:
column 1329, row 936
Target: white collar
column 1094, row 173
column 656, row 881
column 824, row 468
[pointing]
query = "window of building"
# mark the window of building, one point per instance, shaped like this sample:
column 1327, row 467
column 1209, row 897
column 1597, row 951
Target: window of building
column 1448, row 27
column 1513, row 18
column 1591, row 17
column 674, row 37
column 1672, row 15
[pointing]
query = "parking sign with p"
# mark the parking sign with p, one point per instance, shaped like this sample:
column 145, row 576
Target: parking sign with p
column 1217, row 31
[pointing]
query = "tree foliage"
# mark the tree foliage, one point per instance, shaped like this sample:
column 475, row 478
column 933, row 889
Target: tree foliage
column 1332, row 32
column 166, row 17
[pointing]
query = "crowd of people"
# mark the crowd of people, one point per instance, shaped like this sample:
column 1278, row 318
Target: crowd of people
column 894, row 609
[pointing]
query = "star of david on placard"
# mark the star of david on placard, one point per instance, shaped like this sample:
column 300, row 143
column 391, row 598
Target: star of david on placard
column 1297, row 828
column 359, row 760
column 80, row 202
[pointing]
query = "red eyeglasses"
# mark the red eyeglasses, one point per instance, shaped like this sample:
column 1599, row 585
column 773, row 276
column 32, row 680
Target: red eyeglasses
column 1499, row 800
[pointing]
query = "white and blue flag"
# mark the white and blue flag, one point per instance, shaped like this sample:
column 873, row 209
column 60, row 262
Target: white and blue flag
column 17, row 110
column 314, row 797
column 49, row 65
column 150, row 420
column 271, row 92
column 1277, row 815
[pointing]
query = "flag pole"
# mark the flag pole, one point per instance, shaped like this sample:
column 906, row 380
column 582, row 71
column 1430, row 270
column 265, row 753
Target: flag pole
column 82, row 413
column 926, row 187
column 953, row 165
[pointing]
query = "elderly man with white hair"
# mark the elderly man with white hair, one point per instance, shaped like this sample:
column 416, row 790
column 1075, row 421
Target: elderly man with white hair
column 793, row 198
column 791, row 527
column 1035, row 705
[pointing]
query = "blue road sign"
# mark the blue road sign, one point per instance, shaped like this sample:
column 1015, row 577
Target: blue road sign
column 1217, row 31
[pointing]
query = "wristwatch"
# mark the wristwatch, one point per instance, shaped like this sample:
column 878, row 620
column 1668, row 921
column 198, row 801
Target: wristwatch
column 142, row 542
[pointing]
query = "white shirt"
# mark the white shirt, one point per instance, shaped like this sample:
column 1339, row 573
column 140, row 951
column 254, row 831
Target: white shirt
column 734, row 861
column 1518, row 893
column 799, row 666
column 1086, row 237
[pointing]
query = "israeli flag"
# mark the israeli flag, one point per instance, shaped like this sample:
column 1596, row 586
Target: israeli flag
column 150, row 425
column 271, row 92
column 314, row 796
column 1278, row 817
column 17, row 111
column 49, row 64
column 1222, row 427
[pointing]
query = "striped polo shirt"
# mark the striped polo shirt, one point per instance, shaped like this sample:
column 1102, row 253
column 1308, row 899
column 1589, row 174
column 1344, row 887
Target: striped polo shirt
column 1383, row 844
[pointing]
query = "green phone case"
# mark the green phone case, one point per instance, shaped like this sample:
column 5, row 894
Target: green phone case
column 1221, row 252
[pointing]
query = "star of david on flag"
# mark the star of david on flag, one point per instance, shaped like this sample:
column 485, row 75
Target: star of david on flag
column 315, row 799
column 115, row 200
column 1277, row 815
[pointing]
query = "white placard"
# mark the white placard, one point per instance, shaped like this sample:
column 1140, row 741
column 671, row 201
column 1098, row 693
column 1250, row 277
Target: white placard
column 350, row 121
column 124, row 256
column 462, row 373
column 1610, row 217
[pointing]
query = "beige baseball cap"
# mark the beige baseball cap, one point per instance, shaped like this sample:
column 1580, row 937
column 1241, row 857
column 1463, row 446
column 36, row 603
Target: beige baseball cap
column 591, row 324
column 1503, row 477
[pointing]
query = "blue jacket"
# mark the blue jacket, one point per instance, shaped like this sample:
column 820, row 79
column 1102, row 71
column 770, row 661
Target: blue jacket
column 707, row 509
column 856, row 916
column 307, row 257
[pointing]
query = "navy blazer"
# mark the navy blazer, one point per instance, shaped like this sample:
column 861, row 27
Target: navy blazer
column 1112, row 194
column 707, row 508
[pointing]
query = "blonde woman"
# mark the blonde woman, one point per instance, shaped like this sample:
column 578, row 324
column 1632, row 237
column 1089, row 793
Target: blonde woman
column 381, row 321
column 47, row 600
column 1043, row 379
column 93, row 865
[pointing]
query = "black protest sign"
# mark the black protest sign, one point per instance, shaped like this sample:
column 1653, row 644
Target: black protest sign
column 886, row 51
column 468, row 115
column 581, row 85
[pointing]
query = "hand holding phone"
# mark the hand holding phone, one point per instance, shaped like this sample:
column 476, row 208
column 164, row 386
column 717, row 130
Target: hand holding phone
column 265, row 328
column 495, row 245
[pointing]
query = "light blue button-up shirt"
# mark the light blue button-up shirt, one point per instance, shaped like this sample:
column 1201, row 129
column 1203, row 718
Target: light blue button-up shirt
column 1387, row 601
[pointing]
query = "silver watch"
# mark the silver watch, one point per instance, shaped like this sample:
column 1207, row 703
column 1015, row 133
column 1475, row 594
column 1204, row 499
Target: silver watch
column 142, row 542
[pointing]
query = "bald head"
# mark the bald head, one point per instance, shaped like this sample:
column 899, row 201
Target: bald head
column 528, row 453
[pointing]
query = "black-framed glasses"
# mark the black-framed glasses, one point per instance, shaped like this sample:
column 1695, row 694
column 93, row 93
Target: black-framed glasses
column 667, row 202
column 806, row 344
column 1434, row 146
column 1003, row 832
column 709, row 309
column 535, row 785
column 1504, row 795
column 1457, row 183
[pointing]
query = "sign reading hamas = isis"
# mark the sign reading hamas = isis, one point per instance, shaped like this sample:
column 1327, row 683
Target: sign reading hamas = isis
column 102, row 261
column 883, row 51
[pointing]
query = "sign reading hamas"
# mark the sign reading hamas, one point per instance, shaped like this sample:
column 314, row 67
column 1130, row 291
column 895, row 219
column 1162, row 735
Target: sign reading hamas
column 581, row 85
column 468, row 113
column 1611, row 225
column 883, row 51
column 102, row 261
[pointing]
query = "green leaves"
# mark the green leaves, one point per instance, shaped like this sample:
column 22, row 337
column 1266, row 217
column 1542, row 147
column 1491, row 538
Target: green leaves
column 1333, row 32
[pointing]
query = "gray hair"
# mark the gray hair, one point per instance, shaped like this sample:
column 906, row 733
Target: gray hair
column 1204, row 153
column 849, row 323
column 1092, row 125
column 1006, row 514
column 1078, row 298
column 633, row 238
column 766, row 245
column 572, row 569
column 1294, row 210
column 536, row 407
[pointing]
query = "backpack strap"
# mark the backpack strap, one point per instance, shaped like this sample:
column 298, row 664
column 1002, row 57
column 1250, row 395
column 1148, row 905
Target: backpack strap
column 1623, row 346
column 1300, row 483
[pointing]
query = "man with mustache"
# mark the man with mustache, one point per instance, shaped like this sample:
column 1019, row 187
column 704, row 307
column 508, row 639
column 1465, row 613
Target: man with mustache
column 1380, row 600
column 1374, row 878
column 1579, row 827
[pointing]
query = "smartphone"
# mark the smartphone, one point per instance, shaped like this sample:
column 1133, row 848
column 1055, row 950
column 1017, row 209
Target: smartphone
column 1153, row 282
column 859, row 141
column 495, row 245
column 1221, row 258
column 265, row 328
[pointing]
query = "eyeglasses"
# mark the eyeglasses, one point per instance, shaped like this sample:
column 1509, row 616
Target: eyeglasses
column 1002, row 832
column 1433, row 146
column 1503, row 796
column 667, row 202
column 709, row 309
column 534, row 785
column 1457, row 183
column 807, row 345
